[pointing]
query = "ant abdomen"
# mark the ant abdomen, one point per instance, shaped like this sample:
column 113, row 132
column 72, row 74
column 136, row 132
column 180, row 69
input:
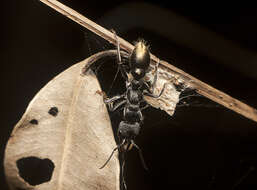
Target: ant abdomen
column 128, row 130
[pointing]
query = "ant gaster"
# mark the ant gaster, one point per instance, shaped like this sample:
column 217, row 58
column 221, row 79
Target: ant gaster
column 132, row 101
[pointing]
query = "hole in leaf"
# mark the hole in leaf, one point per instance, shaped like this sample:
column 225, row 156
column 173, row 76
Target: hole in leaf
column 35, row 170
column 53, row 111
column 34, row 122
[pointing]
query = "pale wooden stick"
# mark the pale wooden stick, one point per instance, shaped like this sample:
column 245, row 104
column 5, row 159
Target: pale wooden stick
column 201, row 87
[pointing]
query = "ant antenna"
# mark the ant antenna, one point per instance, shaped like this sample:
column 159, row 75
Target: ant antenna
column 140, row 154
column 112, row 154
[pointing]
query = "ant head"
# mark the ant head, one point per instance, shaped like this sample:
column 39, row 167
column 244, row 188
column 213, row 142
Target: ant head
column 139, row 60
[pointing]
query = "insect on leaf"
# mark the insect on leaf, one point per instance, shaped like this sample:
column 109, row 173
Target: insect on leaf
column 64, row 137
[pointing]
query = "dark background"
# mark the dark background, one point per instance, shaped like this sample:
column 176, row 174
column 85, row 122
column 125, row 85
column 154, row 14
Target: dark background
column 204, row 147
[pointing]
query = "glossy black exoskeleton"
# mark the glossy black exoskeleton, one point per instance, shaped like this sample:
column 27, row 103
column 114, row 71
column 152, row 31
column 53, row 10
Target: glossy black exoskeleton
column 132, row 102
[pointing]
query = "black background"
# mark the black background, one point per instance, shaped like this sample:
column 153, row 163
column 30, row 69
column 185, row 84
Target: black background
column 200, row 147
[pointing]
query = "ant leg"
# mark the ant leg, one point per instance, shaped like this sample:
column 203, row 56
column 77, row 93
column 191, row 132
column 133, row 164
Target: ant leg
column 121, row 66
column 123, row 165
column 148, row 87
column 141, row 117
column 145, row 107
column 113, row 108
column 109, row 102
column 114, row 98
column 151, row 87
column 140, row 154
column 118, row 47
column 156, row 96
column 117, row 148
column 109, row 157
column 122, row 170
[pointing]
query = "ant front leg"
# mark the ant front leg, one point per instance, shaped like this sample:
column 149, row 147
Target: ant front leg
column 145, row 107
column 121, row 66
column 156, row 96
column 149, row 88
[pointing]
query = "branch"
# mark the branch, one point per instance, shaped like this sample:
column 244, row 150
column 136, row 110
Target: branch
column 201, row 87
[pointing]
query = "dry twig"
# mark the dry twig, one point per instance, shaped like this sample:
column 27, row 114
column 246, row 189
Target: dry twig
column 201, row 87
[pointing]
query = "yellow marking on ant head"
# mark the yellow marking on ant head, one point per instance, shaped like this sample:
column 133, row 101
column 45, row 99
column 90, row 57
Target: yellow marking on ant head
column 141, row 48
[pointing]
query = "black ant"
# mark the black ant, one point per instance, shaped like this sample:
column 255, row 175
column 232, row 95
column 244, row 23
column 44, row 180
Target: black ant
column 132, row 101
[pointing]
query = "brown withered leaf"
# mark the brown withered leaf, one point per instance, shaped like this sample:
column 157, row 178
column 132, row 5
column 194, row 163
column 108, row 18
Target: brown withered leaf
column 64, row 137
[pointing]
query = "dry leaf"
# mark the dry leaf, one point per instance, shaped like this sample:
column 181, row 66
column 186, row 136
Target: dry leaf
column 170, row 97
column 65, row 134
column 64, row 137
